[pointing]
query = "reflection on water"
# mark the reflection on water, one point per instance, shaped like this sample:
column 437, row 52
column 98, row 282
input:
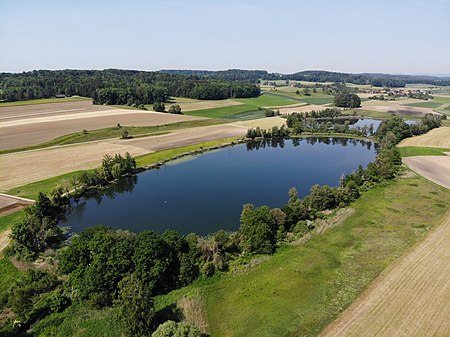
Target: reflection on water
column 207, row 193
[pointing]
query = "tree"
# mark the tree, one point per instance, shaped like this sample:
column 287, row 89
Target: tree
column 345, row 99
column 135, row 307
column 175, row 109
column 159, row 107
column 258, row 229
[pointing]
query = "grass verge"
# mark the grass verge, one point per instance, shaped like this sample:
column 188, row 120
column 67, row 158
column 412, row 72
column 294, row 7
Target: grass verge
column 410, row 151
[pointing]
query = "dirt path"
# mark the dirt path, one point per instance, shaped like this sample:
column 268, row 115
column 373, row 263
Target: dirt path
column 411, row 298
column 434, row 168
column 25, row 167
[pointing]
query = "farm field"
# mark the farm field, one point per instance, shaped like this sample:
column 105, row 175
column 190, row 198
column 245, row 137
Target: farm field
column 435, row 138
column 37, row 124
column 44, row 101
column 267, row 100
column 25, row 167
column 229, row 112
column 409, row 299
column 189, row 104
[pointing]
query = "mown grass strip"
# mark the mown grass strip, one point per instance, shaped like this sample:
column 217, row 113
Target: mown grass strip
column 410, row 151
column 43, row 101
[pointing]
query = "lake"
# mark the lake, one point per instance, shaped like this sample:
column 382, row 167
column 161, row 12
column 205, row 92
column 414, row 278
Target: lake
column 205, row 193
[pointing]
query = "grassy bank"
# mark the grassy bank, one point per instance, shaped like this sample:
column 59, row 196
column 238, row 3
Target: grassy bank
column 44, row 101
column 116, row 132
column 301, row 289
column 409, row 151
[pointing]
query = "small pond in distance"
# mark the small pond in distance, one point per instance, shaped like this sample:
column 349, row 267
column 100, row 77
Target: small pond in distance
column 206, row 192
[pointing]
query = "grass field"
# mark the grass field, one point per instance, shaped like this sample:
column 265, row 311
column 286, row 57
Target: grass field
column 410, row 151
column 267, row 100
column 43, row 101
column 301, row 289
column 225, row 112
column 8, row 273
column 116, row 132
column 431, row 105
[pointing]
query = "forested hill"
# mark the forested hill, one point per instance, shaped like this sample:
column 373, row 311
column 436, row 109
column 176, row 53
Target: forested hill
column 381, row 80
column 114, row 86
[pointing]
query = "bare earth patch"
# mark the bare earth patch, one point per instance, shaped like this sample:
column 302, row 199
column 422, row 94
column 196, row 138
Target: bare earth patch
column 439, row 137
column 10, row 204
column 25, row 167
column 434, row 168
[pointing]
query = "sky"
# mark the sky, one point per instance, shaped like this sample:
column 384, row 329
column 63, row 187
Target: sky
column 285, row 36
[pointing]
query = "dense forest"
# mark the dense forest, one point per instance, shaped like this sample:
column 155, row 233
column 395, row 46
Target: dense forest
column 113, row 86
column 378, row 80
column 133, row 87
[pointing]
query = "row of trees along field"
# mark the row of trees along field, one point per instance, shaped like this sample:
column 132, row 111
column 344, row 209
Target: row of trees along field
column 113, row 86
column 100, row 267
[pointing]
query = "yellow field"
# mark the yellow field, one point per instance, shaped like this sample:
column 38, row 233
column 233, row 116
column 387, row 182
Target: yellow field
column 435, row 138
column 410, row 299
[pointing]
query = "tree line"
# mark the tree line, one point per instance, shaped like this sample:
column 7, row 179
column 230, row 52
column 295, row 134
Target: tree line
column 114, row 86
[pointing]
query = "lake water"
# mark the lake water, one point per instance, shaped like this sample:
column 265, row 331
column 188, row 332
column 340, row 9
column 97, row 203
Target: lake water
column 206, row 192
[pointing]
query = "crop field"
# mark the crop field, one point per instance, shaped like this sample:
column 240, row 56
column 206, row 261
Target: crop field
column 409, row 299
column 26, row 167
column 431, row 105
column 410, row 151
column 189, row 104
column 22, row 126
column 267, row 100
column 224, row 112
column 44, row 101
column 435, row 138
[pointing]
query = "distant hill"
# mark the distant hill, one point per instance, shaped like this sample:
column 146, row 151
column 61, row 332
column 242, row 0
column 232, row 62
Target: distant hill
column 375, row 79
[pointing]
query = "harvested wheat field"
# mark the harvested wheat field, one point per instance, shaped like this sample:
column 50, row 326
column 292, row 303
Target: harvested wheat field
column 300, row 108
column 25, row 167
column 409, row 299
column 33, row 124
column 263, row 123
column 189, row 104
column 434, row 168
column 395, row 107
column 439, row 137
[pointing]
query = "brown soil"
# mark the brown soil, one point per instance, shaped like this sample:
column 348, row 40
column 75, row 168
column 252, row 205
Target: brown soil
column 411, row 298
column 434, row 168
column 33, row 124
column 10, row 205
column 397, row 108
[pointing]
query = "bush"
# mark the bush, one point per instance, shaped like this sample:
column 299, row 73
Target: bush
column 345, row 99
column 159, row 107
column 174, row 329
column 175, row 109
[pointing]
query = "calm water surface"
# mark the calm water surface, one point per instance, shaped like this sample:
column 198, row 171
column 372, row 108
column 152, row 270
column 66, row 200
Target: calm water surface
column 206, row 193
